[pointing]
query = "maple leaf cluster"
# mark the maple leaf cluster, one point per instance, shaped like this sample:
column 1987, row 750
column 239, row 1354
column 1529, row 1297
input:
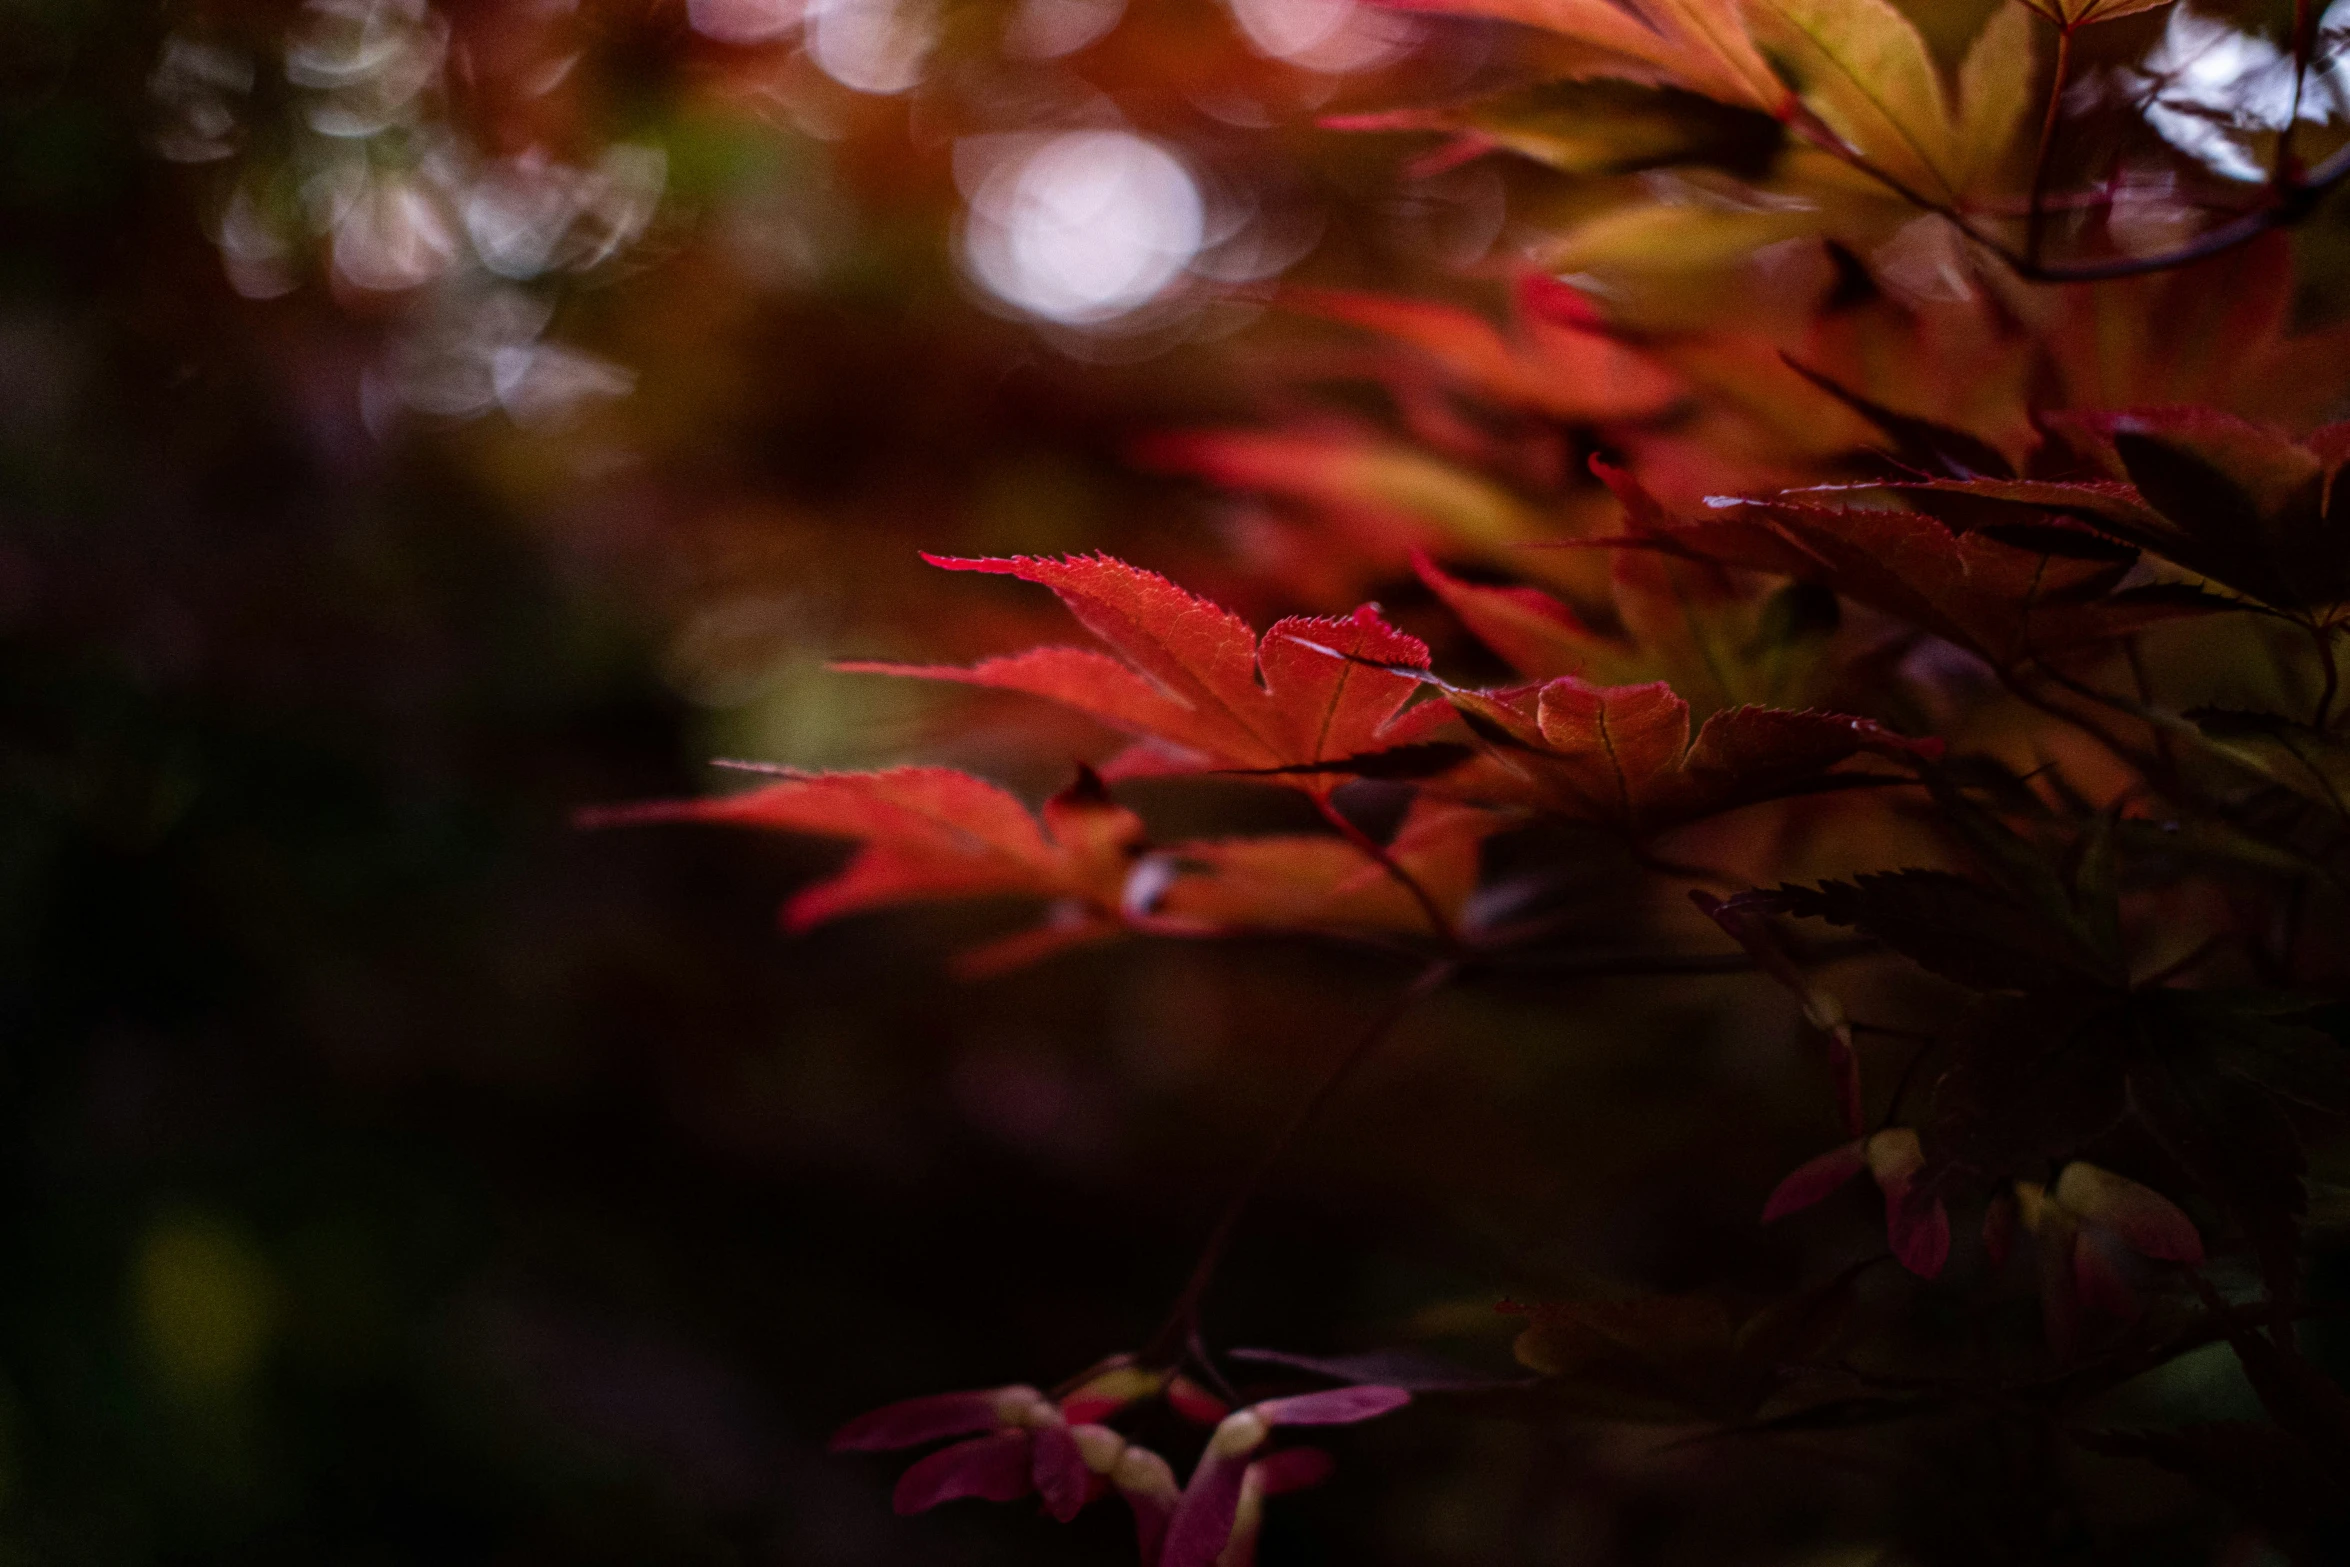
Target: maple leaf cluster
column 1963, row 666
column 1312, row 705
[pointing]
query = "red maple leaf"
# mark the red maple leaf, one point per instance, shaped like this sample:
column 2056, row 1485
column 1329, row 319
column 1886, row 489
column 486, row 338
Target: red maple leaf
column 1623, row 756
column 928, row 834
column 1715, row 639
column 1554, row 360
column 2237, row 503
column 1321, row 883
column 931, row 833
column 2000, row 600
column 1201, row 690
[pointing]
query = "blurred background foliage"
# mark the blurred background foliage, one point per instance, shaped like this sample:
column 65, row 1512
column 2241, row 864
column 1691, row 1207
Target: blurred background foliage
column 394, row 1174
column 417, row 423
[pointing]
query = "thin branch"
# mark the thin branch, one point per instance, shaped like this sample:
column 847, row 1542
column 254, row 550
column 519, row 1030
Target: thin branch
column 1909, row 1071
column 2288, row 204
column 2282, row 167
column 1438, row 922
column 2039, row 702
column 2155, row 717
column 1179, row 1334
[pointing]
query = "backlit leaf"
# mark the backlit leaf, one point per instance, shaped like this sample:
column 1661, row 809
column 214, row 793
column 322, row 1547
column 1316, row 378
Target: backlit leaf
column 1568, row 372
column 1190, row 676
column 1862, row 68
column 1622, row 756
column 1698, row 44
column 928, row 833
column 1326, row 883
column 1995, row 97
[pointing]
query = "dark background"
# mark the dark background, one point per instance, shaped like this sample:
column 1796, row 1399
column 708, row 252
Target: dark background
column 395, row 1174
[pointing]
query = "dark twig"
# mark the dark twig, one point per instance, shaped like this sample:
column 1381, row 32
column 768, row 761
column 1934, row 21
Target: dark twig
column 2284, row 166
column 1179, row 1335
column 1438, row 922
column 1909, row 1071
column 2287, row 204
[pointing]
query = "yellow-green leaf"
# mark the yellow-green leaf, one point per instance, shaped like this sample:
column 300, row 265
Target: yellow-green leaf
column 1860, row 66
column 1719, row 56
column 1663, row 239
column 1698, row 44
column 1994, row 96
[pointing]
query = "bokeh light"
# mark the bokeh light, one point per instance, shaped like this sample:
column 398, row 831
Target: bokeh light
column 1085, row 227
column 873, row 46
column 1323, row 35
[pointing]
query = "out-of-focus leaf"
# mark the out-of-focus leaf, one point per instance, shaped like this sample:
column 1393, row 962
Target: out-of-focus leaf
column 2237, row 502
column 1572, row 373
column 1657, row 1356
column 1534, row 633
column 2298, row 1396
column 1433, row 501
column 2214, row 333
column 1919, row 443
column 2310, row 762
column 1993, row 598
column 1700, row 44
column 1862, row 68
column 1656, row 237
column 2149, row 1222
column 1917, row 1223
column 1327, row 883
column 1995, row 96
column 1601, row 127
column 1717, row 642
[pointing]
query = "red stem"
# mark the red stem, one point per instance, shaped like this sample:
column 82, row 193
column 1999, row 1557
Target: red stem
column 1437, row 922
column 2036, row 225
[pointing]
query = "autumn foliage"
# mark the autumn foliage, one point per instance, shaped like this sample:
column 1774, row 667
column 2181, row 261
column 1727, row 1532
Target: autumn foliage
column 1945, row 635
